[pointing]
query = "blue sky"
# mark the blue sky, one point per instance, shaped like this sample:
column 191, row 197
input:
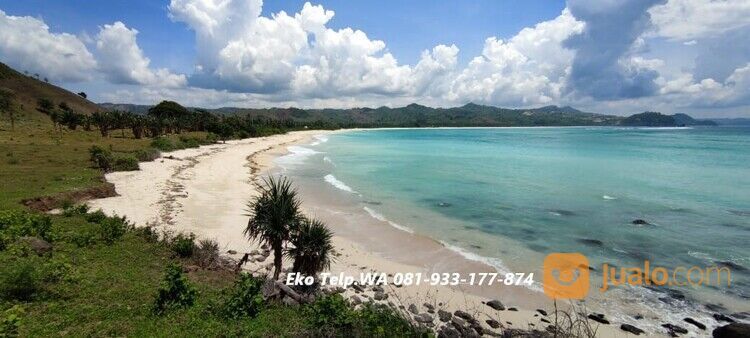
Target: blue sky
column 605, row 56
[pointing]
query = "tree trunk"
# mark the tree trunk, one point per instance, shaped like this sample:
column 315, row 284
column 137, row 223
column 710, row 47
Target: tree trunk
column 276, row 260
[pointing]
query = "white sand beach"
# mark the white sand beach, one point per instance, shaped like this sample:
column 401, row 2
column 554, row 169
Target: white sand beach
column 205, row 191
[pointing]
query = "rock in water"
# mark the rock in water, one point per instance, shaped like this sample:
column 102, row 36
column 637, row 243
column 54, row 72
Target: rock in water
column 630, row 328
column 695, row 323
column 734, row 330
column 640, row 222
column 496, row 304
column 720, row 317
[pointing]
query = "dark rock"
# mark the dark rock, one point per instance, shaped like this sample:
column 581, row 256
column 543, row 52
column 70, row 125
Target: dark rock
column 675, row 328
column 512, row 309
column 232, row 252
column 741, row 315
column 630, row 328
column 695, row 323
column 640, row 222
column 377, row 288
column 496, row 304
column 493, row 323
column 598, row 317
column 734, row 330
column 355, row 300
column 542, row 312
column 545, row 320
column 591, row 242
column 413, row 309
column 448, row 332
column 428, row 306
column 40, row 246
column 720, row 317
column 732, row 265
column 638, row 317
column 380, row 296
column 457, row 321
column 444, row 315
column 464, row 315
column 423, row 318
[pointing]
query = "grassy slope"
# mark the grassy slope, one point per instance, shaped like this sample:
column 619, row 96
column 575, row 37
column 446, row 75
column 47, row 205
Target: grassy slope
column 113, row 287
column 28, row 90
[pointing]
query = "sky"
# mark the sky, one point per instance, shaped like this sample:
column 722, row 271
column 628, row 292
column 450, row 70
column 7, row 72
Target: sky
column 605, row 56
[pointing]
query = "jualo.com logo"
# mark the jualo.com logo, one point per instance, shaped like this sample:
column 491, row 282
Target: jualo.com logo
column 567, row 276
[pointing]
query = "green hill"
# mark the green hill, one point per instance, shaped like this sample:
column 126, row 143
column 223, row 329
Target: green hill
column 28, row 90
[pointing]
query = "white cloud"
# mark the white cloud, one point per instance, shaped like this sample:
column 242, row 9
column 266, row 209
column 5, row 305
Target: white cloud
column 27, row 44
column 122, row 61
column 694, row 19
column 530, row 68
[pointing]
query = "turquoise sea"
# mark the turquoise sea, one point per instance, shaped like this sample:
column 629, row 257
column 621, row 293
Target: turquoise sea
column 512, row 195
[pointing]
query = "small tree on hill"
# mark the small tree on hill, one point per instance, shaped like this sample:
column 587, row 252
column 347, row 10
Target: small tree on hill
column 45, row 105
column 82, row 94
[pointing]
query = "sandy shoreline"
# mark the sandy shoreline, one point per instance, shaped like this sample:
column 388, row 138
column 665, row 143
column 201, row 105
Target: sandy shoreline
column 205, row 190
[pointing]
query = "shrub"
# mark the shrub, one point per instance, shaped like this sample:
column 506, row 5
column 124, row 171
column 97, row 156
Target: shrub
column 175, row 291
column 190, row 142
column 14, row 224
column 101, row 158
column 125, row 163
column 380, row 320
column 73, row 210
column 330, row 313
column 244, row 299
column 148, row 233
column 207, row 253
column 162, row 144
column 56, row 270
column 183, row 245
column 212, row 138
column 147, row 155
column 113, row 228
column 10, row 321
column 83, row 239
column 96, row 217
column 19, row 281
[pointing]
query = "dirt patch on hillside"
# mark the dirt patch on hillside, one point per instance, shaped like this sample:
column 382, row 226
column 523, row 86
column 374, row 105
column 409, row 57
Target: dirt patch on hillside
column 47, row 203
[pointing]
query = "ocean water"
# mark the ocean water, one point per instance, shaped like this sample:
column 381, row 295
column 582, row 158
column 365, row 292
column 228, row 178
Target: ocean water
column 513, row 195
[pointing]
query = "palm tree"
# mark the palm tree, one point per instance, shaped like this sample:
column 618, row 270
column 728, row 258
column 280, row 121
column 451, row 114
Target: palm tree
column 312, row 249
column 274, row 215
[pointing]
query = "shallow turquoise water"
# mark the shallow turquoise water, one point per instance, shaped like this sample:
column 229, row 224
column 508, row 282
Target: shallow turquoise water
column 559, row 190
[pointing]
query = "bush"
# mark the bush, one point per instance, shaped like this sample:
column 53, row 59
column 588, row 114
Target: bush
column 19, row 281
column 190, row 142
column 83, row 239
column 73, row 210
column 14, row 224
column 162, row 144
column 125, row 163
column 56, row 270
column 207, row 253
column 10, row 321
column 183, row 245
column 148, row 233
column 147, row 155
column 244, row 299
column 113, row 228
column 96, row 217
column 330, row 313
column 101, row 158
column 175, row 291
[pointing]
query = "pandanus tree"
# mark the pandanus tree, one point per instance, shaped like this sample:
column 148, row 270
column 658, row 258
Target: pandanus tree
column 274, row 215
column 312, row 249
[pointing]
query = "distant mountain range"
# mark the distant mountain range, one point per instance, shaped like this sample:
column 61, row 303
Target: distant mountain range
column 415, row 115
column 28, row 90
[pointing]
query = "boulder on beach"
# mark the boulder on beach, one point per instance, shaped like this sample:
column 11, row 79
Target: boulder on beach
column 496, row 304
column 720, row 317
column 671, row 328
column 444, row 315
column 413, row 309
column 492, row 323
column 598, row 317
column 734, row 330
column 630, row 328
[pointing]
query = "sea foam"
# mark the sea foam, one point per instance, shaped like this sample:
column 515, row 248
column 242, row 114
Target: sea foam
column 319, row 139
column 374, row 214
column 338, row 184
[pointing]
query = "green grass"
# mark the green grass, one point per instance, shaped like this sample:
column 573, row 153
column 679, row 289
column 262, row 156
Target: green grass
column 100, row 282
